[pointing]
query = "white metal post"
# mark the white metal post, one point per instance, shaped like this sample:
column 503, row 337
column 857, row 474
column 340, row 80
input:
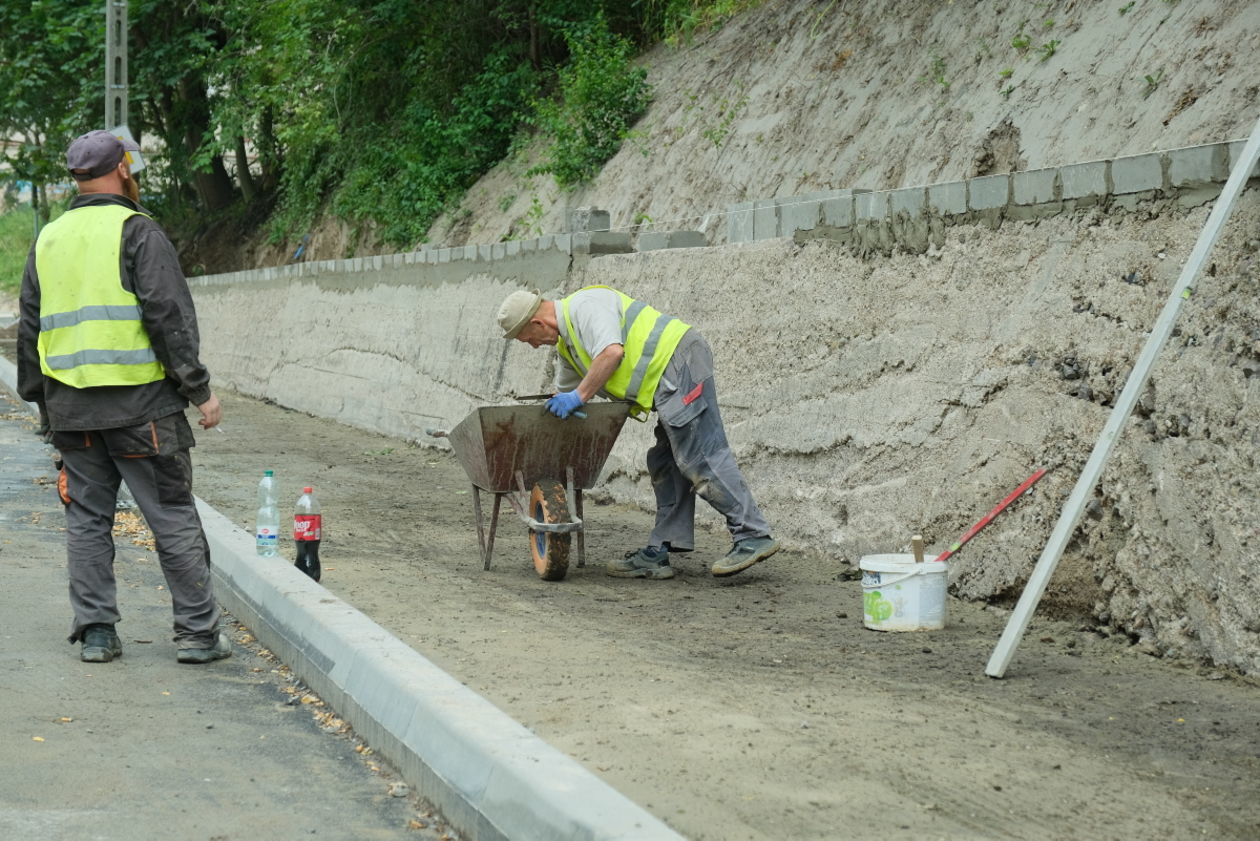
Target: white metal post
column 1076, row 502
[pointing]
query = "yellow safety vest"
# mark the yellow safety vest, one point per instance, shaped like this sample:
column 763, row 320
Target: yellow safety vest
column 649, row 339
column 90, row 333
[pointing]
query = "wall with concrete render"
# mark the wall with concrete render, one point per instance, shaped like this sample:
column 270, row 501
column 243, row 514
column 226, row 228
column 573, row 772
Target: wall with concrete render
column 875, row 384
column 393, row 343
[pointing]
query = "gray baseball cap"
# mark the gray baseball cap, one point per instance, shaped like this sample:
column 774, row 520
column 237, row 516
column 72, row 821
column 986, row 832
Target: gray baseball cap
column 97, row 152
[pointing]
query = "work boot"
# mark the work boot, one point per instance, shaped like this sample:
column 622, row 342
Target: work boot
column 649, row 562
column 100, row 644
column 744, row 554
column 222, row 648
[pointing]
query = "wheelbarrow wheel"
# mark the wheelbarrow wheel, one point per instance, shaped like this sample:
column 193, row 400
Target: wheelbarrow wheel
column 549, row 549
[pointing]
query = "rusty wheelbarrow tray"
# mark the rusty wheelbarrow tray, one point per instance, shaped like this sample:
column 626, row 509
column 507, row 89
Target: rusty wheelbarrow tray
column 538, row 462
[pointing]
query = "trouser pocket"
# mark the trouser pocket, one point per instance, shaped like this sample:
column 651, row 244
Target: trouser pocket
column 160, row 437
column 172, row 477
column 687, row 386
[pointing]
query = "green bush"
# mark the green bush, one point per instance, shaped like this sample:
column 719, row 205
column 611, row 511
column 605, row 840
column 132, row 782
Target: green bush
column 404, row 177
column 601, row 94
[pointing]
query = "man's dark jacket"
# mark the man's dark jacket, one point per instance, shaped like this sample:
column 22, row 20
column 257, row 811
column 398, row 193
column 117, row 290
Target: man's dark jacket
column 150, row 271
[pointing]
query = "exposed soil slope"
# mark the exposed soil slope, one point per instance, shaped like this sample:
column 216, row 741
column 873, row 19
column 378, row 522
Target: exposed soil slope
column 798, row 96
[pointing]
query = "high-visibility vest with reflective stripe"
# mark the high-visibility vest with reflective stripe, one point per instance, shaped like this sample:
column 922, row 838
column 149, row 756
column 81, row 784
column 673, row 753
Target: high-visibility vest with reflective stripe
column 649, row 338
column 90, row 333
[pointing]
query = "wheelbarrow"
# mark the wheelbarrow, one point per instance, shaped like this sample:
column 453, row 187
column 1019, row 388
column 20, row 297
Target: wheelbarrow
column 538, row 462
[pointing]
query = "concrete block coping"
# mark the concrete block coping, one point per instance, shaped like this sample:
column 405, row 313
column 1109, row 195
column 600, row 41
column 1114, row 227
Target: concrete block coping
column 1035, row 187
column 1137, row 174
column 656, row 240
column 490, row 776
column 1023, row 194
column 989, row 192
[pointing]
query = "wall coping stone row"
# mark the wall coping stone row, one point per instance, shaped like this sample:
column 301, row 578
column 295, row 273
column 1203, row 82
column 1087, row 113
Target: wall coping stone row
column 907, row 218
column 912, row 217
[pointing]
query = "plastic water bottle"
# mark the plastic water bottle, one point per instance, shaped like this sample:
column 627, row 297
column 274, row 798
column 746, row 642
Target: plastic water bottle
column 308, row 527
column 267, row 522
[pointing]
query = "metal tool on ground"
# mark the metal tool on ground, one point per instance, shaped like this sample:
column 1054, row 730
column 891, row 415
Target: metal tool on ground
column 988, row 518
column 539, row 463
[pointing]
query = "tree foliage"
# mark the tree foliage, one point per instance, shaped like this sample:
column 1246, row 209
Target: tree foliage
column 383, row 111
column 47, row 59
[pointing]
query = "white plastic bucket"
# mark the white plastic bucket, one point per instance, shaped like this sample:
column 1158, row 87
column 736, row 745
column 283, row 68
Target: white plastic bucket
column 900, row 595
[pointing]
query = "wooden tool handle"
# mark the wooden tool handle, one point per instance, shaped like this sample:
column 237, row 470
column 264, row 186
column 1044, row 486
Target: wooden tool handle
column 916, row 546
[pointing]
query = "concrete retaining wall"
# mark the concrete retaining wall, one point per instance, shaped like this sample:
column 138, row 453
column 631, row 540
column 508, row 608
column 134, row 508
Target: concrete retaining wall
column 897, row 375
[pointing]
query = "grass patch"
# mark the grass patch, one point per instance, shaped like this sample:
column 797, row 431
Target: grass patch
column 17, row 229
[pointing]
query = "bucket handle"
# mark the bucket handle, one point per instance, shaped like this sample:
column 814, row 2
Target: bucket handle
column 889, row 582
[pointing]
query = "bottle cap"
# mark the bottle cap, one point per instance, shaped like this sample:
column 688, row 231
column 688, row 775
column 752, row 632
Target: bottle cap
column 269, row 472
column 308, row 490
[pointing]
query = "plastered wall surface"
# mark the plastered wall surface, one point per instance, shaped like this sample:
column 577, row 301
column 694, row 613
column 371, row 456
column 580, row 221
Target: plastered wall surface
column 870, row 396
column 396, row 350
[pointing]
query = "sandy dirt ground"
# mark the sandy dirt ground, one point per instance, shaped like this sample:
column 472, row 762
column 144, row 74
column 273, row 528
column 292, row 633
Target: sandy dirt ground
column 759, row 707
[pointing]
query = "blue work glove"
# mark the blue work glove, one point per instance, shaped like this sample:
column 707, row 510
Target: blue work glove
column 564, row 404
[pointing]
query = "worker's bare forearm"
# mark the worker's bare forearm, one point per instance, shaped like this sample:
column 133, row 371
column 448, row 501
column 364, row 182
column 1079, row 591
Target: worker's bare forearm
column 602, row 368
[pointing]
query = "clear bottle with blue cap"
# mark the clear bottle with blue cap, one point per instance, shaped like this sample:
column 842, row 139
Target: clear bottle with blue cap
column 267, row 522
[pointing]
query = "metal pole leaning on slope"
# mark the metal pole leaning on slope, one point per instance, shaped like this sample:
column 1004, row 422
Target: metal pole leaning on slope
column 1075, row 504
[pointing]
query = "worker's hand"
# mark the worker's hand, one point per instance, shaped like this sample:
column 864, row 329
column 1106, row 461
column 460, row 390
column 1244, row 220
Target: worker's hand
column 564, row 404
column 211, row 413
column 45, row 429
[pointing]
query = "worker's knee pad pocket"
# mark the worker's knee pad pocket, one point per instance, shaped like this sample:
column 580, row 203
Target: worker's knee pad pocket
column 172, row 475
column 63, row 486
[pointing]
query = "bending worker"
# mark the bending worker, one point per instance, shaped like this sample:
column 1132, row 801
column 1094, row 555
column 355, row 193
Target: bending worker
column 108, row 349
column 613, row 345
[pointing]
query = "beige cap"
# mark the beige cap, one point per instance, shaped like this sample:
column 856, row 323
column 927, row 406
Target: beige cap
column 516, row 311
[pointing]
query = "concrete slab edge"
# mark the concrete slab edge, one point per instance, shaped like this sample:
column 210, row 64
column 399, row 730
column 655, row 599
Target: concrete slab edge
column 8, row 376
column 490, row 776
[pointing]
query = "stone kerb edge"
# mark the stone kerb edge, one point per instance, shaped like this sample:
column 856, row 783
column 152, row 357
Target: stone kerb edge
column 485, row 771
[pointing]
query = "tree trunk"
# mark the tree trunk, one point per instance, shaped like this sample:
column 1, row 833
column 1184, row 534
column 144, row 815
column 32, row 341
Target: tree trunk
column 214, row 186
column 39, row 195
column 243, row 176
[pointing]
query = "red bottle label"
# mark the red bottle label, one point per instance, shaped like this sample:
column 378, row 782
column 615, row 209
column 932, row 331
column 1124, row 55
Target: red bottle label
column 307, row 526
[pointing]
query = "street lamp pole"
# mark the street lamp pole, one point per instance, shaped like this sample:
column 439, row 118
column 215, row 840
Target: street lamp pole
column 115, row 63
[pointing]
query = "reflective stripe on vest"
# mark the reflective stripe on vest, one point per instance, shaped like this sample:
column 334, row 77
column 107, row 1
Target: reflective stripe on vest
column 90, row 328
column 649, row 339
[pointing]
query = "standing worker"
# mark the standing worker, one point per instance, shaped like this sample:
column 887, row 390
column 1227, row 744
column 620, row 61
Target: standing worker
column 611, row 344
column 108, row 349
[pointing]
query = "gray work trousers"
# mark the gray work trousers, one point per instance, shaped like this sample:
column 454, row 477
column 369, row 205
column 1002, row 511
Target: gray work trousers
column 692, row 456
column 154, row 461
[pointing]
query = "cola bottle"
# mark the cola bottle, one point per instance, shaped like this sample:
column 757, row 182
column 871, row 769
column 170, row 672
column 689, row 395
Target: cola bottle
column 307, row 530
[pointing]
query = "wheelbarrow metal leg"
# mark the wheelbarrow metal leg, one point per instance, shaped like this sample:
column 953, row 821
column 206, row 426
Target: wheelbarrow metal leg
column 575, row 494
column 486, row 542
column 494, row 524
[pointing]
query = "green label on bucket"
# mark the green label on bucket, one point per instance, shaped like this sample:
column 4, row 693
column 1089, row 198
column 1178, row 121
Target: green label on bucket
column 876, row 606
